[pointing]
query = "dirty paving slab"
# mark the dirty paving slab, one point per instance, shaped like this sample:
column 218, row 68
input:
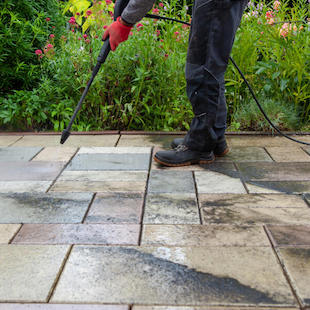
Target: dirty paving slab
column 173, row 275
column 63, row 307
column 18, row 153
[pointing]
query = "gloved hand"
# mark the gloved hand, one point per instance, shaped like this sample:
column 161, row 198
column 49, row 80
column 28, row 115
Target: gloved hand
column 118, row 32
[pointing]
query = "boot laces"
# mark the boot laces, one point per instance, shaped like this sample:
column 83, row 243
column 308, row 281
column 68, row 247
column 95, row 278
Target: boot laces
column 181, row 148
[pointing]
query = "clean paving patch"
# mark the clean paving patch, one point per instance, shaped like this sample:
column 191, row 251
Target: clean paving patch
column 107, row 234
column 116, row 208
column 62, row 307
column 163, row 141
column 202, row 235
column 8, row 140
column 18, row 153
column 7, row 232
column 297, row 263
column 24, row 186
column 180, row 276
column 246, row 154
column 28, row 272
column 171, row 209
column 288, row 154
column 54, row 153
column 43, row 208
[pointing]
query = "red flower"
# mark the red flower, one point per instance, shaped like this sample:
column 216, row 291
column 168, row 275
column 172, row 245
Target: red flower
column 38, row 52
column 85, row 36
column 52, row 36
column 72, row 20
column 155, row 11
column 89, row 12
column 108, row 2
column 47, row 19
column 77, row 14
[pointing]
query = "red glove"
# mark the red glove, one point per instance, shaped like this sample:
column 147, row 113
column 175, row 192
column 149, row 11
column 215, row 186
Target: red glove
column 118, row 32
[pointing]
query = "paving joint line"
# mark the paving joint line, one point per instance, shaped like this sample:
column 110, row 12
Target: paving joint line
column 265, row 148
column 61, row 269
column 16, row 141
column 284, row 271
column 145, row 195
column 42, row 148
column 197, row 197
column 241, row 177
column 88, row 208
column 303, row 196
column 118, row 139
column 62, row 170
column 17, row 232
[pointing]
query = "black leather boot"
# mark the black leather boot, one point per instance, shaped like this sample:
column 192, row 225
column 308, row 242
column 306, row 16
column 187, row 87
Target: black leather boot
column 183, row 156
column 221, row 148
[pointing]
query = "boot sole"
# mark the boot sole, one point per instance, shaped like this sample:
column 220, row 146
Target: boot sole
column 188, row 163
column 222, row 154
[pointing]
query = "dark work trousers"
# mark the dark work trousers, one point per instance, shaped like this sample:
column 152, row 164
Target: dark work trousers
column 213, row 28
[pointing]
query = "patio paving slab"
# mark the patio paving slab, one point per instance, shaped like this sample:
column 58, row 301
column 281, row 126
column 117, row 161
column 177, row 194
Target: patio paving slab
column 275, row 171
column 202, row 235
column 30, row 271
column 297, row 263
column 43, row 208
column 251, row 201
column 255, row 216
column 8, row 140
column 180, row 276
column 115, row 150
column 163, row 141
column 215, row 182
column 107, row 234
column 289, row 187
column 171, row 209
column 204, row 308
column 111, row 161
column 288, row 154
column 30, row 171
column 116, row 208
column 171, row 182
column 307, row 198
column 24, row 186
column 18, row 153
column 74, row 140
column 55, row 153
column 7, row 232
column 290, row 235
column 246, row 154
column 61, row 307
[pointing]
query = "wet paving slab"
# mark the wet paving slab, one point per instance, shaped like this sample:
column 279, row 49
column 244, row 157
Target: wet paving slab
column 216, row 182
column 54, row 153
column 8, row 140
column 290, row 236
column 246, row 154
column 297, row 264
column 7, row 232
column 30, row 270
column 74, row 140
column 163, row 141
column 275, row 171
column 30, row 171
column 288, row 154
column 116, row 208
column 171, row 209
column 43, row 208
column 18, row 153
column 180, row 276
column 171, row 182
column 24, row 186
column 203, row 235
column 62, row 307
column 106, row 234
column 101, row 181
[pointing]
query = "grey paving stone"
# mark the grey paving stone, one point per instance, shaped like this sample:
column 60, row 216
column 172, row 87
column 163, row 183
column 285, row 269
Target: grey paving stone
column 290, row 235
column 147, row 140
column 56, row 153
column 7, row 232
column 206, row 308
column 18, row 153
column 202, row 235
column 251, row 201
column 173, row 276
column 116, row 208
column 307, row 198
column 171, row 182
column 246, row 154
column 215, row 182
column 29, row 171
column 43, row 208
column 110, row 162
column 288, row 154
column 248, row 216
column 297, row 263
column 275, row 171
column 108, row 234
column 60, row 307
column 24, row 186
column 307, row 149
column 289, row 187
column 8, row 140
column 171, row 209
column 115, row 150
column 28, row 272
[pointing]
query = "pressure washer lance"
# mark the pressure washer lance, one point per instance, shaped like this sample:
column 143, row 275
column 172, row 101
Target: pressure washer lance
column 119, row 7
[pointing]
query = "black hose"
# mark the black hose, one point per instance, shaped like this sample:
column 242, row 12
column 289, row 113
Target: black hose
column 243, row 77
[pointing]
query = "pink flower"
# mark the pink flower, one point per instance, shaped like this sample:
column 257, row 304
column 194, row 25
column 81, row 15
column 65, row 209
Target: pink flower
column 85, row 36
column 166, row 55
column 49, row 46
column 158, row 33
column 276, row 5
column 72, row 20
column 79, row 38
column 270, row 21
column 87, row 41
column 88, row 13
column 38, row 52
column 269, row 14
column 77, row 14
column 52, row 36
column 155, row 11
column 161, row 5
column 108, row 2
column 105, row 27
column 131, row 33
column 47, row 19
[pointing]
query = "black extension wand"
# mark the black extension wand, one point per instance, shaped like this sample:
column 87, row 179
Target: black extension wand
column 120, row 5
